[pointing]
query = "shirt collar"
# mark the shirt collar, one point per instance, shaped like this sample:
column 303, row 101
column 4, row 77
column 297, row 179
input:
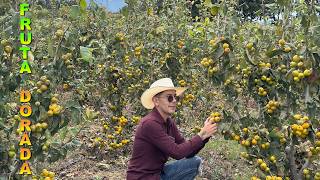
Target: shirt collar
column 159, row 118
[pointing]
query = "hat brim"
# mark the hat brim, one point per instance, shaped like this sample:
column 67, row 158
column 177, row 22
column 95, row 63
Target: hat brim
column 146, row 97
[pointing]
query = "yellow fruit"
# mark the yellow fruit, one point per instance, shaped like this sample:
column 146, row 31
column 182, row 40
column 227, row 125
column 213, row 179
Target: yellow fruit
column 297, row 116
column 226, row 50
column 296, row 58
column 8, row 49
column 45, row 148
column 44, row 125
column 249, row 45
column 318, row 134
column 301, row 75
column 254, row 142
column 256, row 137
column 51, row 174
column 247, row 143
column 267, row 145
column 50, row 113
column 45, row 172
column 287, row 49
column 282, row 42
column 245, row 130
column 12, row 154
column 295, row 73
column 293, row 64
column 306, row 171
column 272, row 158
column 43, row 87
column 305, row 125
column 237, row 138
column 259, row 161
column 59, row 33
column 225, row 45
column 300, row 64
column 54, row 100
column 307, row 72
column 263, row 166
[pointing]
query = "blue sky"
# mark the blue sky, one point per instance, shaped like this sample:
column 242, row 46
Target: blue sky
column 112, row 5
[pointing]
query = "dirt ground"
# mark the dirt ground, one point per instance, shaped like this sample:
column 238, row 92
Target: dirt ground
column 220, row 161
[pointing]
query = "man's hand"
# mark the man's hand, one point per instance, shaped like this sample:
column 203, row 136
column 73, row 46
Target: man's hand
column 208, row 129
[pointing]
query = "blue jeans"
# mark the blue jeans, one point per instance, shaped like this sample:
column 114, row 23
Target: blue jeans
column 183, row 169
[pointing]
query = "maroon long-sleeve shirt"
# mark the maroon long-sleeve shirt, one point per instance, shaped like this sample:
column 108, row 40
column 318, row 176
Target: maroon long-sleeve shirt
column 156, row 140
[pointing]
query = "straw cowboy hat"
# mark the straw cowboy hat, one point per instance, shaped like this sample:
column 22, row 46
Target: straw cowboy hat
column 157, row 87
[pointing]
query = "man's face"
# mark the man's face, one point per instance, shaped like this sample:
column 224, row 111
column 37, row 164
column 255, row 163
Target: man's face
column 162, row 102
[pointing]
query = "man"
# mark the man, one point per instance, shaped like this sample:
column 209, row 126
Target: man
column 157, row 138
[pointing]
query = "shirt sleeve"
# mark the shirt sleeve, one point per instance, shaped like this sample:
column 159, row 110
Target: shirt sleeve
column 156, row 135
column 180, row 139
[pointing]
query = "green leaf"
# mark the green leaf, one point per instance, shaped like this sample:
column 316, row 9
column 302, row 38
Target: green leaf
column 50, row 48
column 272, row 53
column 214, row 10
column 86, row 54
column 83, row 5
column 75, row 12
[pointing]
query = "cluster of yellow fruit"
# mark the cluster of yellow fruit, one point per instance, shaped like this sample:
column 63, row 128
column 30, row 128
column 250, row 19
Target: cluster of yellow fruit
column 59, row 33
column 265, row 146
column 263, row 165
column 39, row 127
column 307, row 175
column 264, row 65
column 298, row 75
column 8, row 49
column 301, row 130
column 182, row 82
column 43, row 84
column 120, row 36
column 226, row 48
column 48, row 175
column 126, row 59
column 12, row 151
column 274, row 178
column 250, row 47
column 196, row 129
column 215, row 117
column 244, row 155
column 273, row 159
column 235, row 137
column 282, row 68
column 272, row 106
column 187, row 99
column 282, row 44
column 122, row 121
column 245, row 143
column 137, row 51
column 246, row 72
column 54, row 108
column 317, row 176
column 262, row 91
column 206, row 62
column 136, row 119
column 114, row 145
column 45, row 146
column 66, row 58
column 267, row 79
column 212, row 70
column 228, row 81
column 282, row 138
column 180, row 44
column 213, row 42
column 296, row 61
column 255, row 140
